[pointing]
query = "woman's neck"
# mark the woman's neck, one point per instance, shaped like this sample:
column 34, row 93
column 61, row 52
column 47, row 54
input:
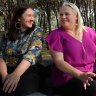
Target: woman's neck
column 23, row 29
column 71, row 30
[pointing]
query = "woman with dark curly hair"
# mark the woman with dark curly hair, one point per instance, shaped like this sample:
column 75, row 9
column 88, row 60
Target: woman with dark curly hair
column 19, row 52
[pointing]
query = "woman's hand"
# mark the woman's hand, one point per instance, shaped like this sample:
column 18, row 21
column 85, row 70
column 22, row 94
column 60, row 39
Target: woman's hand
column 85, row 77
column 11, row 82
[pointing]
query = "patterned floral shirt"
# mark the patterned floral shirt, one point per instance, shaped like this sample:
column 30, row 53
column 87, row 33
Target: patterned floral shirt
column 25, row 47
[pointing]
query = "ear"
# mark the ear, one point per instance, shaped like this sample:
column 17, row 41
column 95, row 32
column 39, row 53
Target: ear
column 76, row 17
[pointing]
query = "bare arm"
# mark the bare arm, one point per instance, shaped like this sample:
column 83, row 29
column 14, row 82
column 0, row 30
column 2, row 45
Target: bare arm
column 3, row 69
column 61, row 64
column 22, row 67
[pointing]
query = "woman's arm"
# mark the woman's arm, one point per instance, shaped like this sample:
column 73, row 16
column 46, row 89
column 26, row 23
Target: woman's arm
column 61, row 64
column 12, row 79
column 3, row 69
column 22, row 67
column 58, row 58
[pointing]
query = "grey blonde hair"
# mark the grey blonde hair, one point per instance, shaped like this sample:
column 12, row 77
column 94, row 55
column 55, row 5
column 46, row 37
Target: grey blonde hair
column 80, row 24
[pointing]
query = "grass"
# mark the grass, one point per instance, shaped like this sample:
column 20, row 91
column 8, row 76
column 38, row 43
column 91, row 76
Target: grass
column 45, row 53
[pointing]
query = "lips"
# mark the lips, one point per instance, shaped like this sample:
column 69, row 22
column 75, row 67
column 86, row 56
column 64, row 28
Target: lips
column 64, row 22
column 30, row 22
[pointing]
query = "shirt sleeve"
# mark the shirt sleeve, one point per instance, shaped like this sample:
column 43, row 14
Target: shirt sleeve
column 92, row 34
column 35, row 46
column 54, row 41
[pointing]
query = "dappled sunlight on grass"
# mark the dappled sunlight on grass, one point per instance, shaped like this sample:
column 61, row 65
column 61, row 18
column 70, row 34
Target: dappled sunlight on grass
column 45, row 53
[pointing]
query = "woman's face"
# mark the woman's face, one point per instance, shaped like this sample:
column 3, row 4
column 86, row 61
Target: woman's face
column 27, row 19
column 68, row 17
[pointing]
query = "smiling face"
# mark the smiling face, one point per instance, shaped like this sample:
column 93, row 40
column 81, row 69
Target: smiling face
column 27, row 19
column 68, row 17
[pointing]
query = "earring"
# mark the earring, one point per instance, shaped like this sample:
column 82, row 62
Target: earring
column 17, row 25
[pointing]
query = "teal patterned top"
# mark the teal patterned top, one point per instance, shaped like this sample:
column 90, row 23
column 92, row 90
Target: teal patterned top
column 25, row 47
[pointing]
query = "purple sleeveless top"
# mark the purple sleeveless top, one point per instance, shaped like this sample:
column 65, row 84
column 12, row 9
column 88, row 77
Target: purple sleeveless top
column 80, row 55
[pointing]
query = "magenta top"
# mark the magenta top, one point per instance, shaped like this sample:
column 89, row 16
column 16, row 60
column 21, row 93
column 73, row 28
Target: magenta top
column 81, row 55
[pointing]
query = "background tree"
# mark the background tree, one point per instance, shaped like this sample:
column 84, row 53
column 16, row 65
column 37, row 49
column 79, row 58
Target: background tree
column 47, row 12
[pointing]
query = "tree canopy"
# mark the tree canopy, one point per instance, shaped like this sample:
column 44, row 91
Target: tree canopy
column 47, row 12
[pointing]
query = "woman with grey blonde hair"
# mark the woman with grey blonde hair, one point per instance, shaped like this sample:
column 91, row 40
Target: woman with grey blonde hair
column 74, row 57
